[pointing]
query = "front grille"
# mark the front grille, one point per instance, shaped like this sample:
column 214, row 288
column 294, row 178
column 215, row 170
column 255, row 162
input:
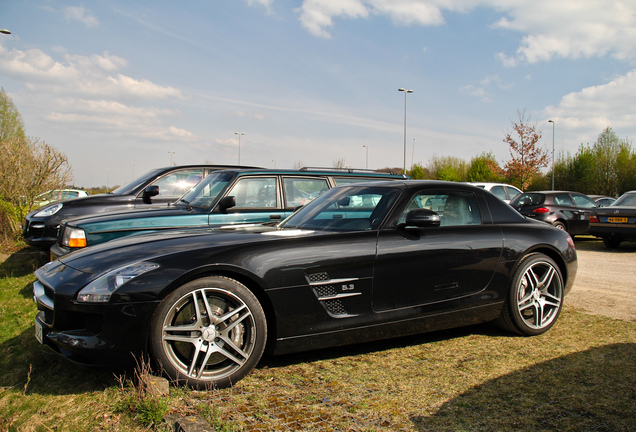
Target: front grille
column 93, row 323
column 34, row 230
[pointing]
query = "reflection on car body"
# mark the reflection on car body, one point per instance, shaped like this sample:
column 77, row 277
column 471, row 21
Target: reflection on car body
column 346, row 268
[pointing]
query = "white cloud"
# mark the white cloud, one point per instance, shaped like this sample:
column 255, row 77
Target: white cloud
column 87, row 92
column 565, row 28
column 78, row 13
column 587, row 112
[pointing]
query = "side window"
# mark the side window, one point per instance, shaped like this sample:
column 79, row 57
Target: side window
column 300, row 191
column 499, row 192
column 177, row 183
column 583, row 201
column 255, row 192
column 563, row 199
column 454, row 207
column 512, row 192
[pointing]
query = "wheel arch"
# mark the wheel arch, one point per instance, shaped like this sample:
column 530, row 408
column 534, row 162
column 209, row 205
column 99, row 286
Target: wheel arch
column 250, row 280
column 551, row 253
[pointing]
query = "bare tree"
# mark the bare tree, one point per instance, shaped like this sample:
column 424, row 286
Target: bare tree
column 28, row 167
column 527, row 158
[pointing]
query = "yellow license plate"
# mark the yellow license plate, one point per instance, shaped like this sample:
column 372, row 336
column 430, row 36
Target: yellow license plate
column 617, row 219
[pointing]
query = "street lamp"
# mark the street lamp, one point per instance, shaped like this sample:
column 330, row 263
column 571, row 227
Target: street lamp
column 551, row 121
column 405, row 93
column 5, row 31
column 239, row 150
column 366, row 147
column 171, row 153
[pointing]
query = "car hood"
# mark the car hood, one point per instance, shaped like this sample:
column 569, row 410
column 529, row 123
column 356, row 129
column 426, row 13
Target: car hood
column 146, row 247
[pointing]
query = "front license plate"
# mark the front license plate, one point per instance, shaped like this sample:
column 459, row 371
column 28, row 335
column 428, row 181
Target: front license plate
column 38, row 332
column 617, row 219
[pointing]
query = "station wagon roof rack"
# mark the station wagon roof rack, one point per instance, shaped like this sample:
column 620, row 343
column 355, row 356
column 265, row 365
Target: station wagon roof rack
column 347, row 170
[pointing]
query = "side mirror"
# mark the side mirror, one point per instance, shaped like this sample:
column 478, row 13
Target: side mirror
column 226, row 203
column 421, row 218
column 149, row 192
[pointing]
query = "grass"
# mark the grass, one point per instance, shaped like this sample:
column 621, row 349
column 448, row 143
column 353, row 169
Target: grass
column 579, row 376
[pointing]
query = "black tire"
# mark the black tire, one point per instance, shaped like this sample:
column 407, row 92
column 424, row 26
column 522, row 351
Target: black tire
column 611, row 243
column 208, row 333
column 559, row 225
column 535, row 298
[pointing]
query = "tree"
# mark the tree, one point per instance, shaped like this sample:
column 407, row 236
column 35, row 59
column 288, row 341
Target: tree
column 527, row 158
column 449, row 168
column 28, row 167
column 484, row 168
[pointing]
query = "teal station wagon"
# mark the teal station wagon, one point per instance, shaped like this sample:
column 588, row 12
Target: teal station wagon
column 225, row 197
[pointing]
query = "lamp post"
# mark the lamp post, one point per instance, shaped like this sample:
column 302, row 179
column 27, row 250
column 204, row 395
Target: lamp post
column 405, row 93
column 367, row 163
column 551, row 121
column 239, row 150
column 5, row 31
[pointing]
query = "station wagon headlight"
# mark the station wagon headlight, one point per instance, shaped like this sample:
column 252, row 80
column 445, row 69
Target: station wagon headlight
column 100, row 290
column 49, row 211
column 74, row 237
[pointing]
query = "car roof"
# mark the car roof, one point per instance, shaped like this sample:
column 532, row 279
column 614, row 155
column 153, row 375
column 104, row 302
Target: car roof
column 306, row 171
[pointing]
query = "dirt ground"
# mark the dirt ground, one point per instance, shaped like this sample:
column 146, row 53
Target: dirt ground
column 606, row 280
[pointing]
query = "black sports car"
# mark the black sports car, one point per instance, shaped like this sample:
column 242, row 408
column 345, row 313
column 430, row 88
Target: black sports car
column 617, row 222
column 361, row 262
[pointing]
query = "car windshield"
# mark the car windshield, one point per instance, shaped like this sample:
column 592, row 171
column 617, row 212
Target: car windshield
column 133, row 185
column 345, row 209
column 206, row 192
column 627, row 200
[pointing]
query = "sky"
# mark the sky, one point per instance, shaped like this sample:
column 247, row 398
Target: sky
column 123, row 87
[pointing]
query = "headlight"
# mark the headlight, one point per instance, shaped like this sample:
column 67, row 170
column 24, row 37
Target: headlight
column 50, row 210
column 74, row 237
column 100, row 290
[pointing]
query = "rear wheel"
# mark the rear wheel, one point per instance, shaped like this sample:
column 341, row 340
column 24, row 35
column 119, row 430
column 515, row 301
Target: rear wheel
column 208, row 333
column 559, row 225
column 535, row 298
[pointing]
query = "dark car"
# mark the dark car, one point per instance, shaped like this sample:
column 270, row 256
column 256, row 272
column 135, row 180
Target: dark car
column 602, row 200
column 569, row 211
column 223, row 198
column 616, row 223
column 154, row 189
column 359, row 263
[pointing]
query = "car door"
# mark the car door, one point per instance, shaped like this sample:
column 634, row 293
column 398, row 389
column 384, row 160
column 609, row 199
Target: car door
column 257, row 200
column 428, row 265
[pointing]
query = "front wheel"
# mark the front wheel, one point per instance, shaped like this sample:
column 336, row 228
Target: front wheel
column 535, row 298
column 208, row 333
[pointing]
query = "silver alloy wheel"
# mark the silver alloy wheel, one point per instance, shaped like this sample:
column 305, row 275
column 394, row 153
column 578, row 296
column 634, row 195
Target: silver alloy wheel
column 539, row 295
column 208, row 334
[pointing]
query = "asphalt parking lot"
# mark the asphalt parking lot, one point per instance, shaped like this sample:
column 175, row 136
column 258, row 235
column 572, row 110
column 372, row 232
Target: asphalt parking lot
column 606, row 280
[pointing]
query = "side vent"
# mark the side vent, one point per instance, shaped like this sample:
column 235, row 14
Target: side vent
column 331, row 292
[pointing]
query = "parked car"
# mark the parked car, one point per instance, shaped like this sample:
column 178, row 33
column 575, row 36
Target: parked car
column 224, row 197
column 602, row 200
column 504, row 192
column 569, row 211
column 361, row 262
column 58, row 195
column 616, row 223
column 154, row 189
